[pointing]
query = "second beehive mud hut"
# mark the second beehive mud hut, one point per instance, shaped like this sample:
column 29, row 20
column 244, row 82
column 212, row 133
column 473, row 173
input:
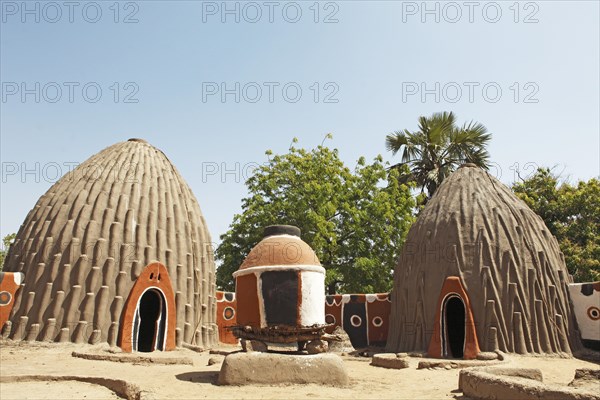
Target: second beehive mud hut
column 116, row 251
column 480, row 272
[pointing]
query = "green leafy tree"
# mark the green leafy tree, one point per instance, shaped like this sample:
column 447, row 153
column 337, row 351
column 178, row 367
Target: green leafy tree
column 356, row 221
column 6, row 242
column 437, row 148
column 572, row 214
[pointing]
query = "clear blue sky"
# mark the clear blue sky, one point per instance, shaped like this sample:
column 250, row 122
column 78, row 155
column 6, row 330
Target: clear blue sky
column 375, row 56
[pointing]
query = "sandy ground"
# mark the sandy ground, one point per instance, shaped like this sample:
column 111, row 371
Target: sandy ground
column 198, row 381
column 54, row 390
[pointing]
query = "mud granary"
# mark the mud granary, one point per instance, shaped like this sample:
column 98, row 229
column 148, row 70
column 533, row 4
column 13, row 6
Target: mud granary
column 280, row 289
column 116, row 251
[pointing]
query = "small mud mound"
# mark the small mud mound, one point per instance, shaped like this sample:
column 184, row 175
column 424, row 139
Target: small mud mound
column 586, row 378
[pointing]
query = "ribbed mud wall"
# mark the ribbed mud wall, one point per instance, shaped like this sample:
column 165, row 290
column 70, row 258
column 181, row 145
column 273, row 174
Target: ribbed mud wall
column 511, row 266
column 88, row 238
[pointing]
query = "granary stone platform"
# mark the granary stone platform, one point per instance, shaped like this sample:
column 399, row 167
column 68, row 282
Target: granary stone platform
column 275, row 368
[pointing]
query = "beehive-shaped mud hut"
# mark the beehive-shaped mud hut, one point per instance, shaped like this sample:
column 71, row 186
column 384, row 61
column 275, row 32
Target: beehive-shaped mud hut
column 480, row 272
column 116, row 251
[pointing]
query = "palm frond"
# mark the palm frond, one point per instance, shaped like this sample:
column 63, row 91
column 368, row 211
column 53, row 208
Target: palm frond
column 395, row 141
column 438, row 147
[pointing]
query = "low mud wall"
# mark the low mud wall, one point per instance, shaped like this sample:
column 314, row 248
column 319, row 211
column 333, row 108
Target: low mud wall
column 122, row 388
column 517, row 383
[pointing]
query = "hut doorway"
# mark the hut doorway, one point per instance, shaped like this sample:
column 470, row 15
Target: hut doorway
column 454, row 323
column 454, row 334
column 149, row 327
column 149, row 317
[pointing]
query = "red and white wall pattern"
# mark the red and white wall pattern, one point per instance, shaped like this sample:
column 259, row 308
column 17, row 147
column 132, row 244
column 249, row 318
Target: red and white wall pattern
column 363, row 316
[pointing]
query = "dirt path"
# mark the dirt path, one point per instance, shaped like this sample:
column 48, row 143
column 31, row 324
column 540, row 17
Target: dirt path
column 197, row 381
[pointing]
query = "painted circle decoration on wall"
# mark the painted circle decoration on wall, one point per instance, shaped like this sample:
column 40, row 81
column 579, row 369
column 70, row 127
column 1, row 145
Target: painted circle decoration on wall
column 329, row 319
column 5, row 298
column 228, row 313
column 377, row 321
column 593, row 313
column 356, row 321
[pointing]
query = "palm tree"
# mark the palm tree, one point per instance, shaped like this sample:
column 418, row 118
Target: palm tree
column 434, row 151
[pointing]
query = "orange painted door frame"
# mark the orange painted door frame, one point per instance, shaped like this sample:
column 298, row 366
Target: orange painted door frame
column 453, row 286
column 154, row 276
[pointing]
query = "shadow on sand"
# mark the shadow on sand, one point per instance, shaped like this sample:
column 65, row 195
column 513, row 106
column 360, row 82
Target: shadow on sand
column 199, row 377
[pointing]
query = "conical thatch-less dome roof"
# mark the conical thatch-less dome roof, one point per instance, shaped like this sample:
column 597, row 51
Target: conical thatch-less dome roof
column 89, row 238
column 506, row 262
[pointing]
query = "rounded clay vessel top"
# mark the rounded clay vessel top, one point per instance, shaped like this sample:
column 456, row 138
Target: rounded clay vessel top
column 281, row 247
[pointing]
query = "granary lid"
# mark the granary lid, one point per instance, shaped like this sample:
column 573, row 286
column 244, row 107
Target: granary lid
column 273, row 230
column 281, row 247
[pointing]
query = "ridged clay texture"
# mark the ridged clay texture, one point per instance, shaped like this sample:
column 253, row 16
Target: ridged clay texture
column 89, row 237
column 509, row 263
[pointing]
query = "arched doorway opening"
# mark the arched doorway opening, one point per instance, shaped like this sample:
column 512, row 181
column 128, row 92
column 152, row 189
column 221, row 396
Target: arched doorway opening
column 454, row 334
column 149, row 317
column 453, row 327
column 150, row 322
